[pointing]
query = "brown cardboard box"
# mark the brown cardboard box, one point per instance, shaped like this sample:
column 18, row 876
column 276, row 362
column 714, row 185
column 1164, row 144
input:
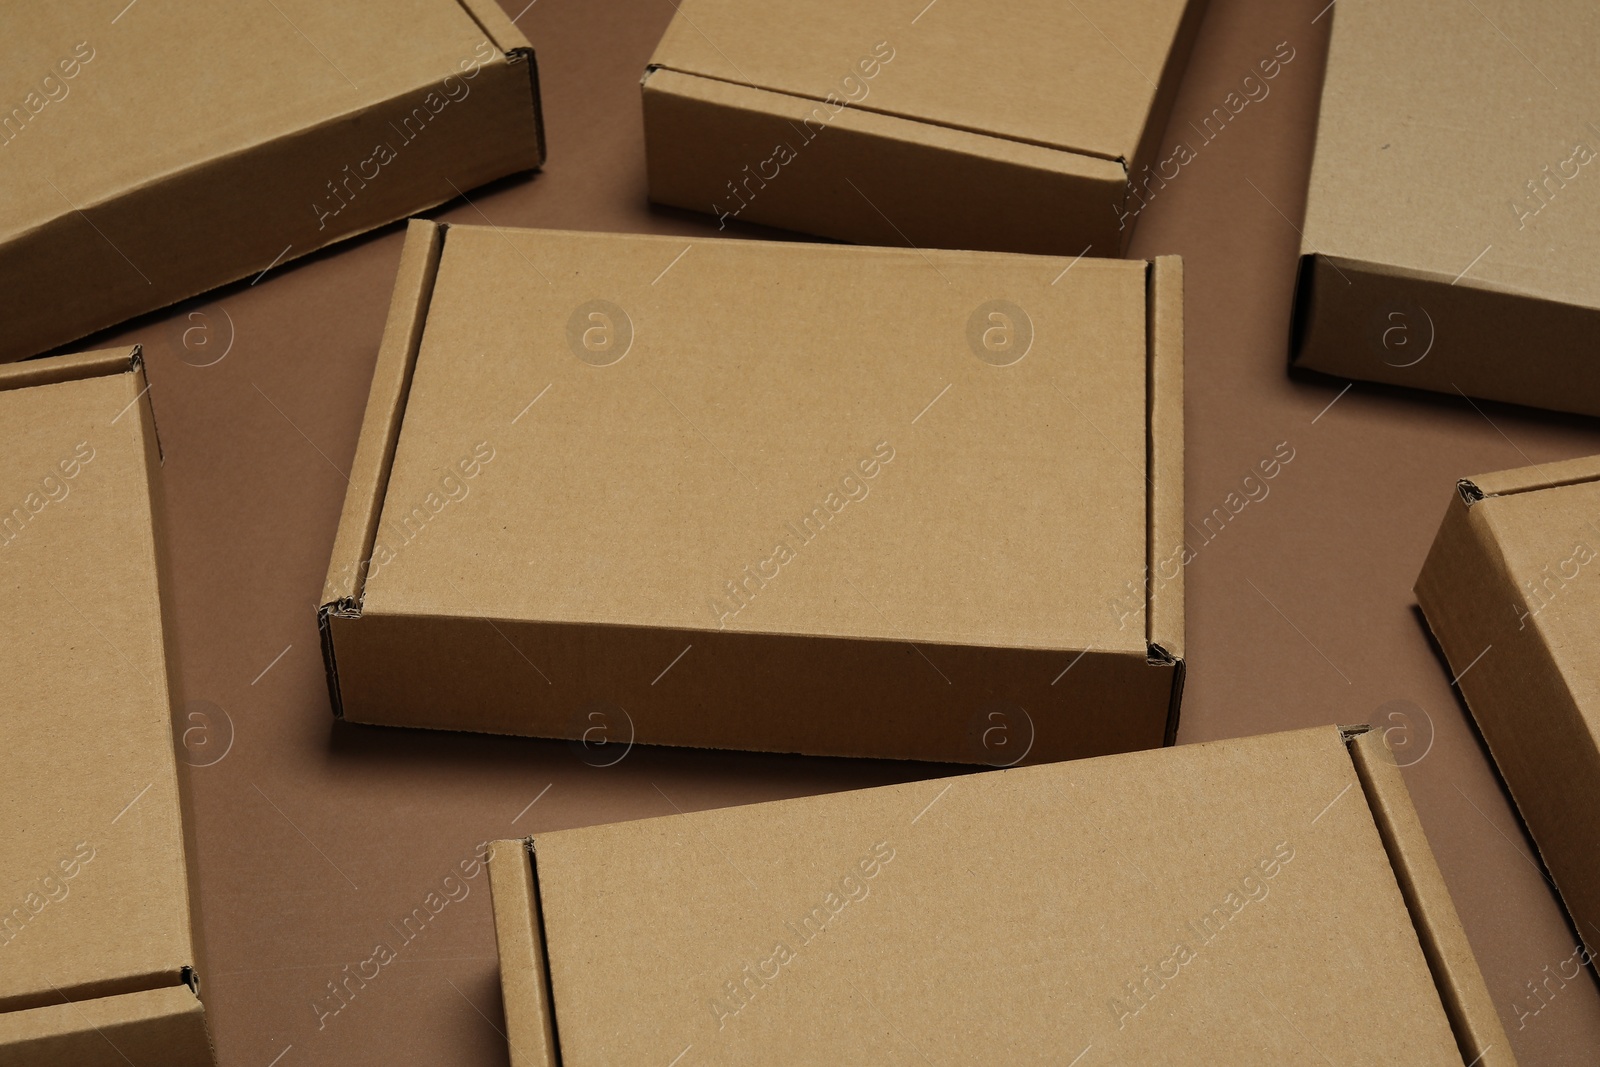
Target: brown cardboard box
column 151, row 153
column 787, row 497
column 1270, row 900
column 1511, row 590
column 98, row 938
column 1450, row 228
column 1023, row 127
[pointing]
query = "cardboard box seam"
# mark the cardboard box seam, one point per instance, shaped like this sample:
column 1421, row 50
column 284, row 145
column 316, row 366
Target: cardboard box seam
column 50, row 370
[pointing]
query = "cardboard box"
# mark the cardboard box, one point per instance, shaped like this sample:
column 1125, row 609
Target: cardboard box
column 1270, row 900
column 154, row 153
column 787, row 497
column 98, row 936
column 1022, row 127
column 1511, row 590
column 1450, row 230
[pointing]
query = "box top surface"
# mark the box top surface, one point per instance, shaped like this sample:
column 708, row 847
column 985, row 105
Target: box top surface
column 824, row 398
column 946, row 921
column 1435, row 120
column 157, row 88
column 93, row 884
column 1550, row 541
column 1080, row 76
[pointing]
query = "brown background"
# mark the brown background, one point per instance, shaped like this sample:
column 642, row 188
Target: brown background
column 313, row 837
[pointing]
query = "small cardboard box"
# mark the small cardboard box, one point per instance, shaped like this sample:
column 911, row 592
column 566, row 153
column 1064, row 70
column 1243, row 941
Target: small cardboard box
column 98, row 936
column 155, row 152
column 1030, row 126
column 786, row 497
column 1450, row 225
column 1511, row 590
column 1254, row 902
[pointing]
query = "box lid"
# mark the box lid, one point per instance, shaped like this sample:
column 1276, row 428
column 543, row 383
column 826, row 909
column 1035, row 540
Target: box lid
column 752, row 394
column 1082, row 77
column 1455, row 144
column 1270, row 900
column 94, row 892
column 157, row 89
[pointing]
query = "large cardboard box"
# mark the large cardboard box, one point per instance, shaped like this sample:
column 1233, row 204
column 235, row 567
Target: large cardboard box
column 153, row 151
column 1254, row 903
column 1511, row 590
column 1029, row 126
column 789, row 497
column 98, row 934
column 1450, row 226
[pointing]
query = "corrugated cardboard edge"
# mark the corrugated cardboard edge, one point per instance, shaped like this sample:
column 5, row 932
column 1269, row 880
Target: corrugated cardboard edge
column 1479, row 1034
column 524, row 968
column 504, row 35
column 70, row 368
column 1164, row 486
column 1466, row 590
column 380, row 430
column 154, row 1028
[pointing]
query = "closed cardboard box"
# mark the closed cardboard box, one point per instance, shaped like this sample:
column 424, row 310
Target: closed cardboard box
column 98, row 936
column 1253, row 903
column 1452, row 218
column 785, row 497
column 1027, row 126
column 154, row 152
column 1511, row 590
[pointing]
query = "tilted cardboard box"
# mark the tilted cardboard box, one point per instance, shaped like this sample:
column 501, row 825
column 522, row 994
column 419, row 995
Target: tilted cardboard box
column 1450, row 228
column 788, row 497
column 1511, row 590
column 155, row 152
column 1027, row 126
column 98, row 936
column 1254, row 902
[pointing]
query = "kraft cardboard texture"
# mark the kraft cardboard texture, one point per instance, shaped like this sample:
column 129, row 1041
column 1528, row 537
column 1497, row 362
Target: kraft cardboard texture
column 1244, row 897
column 96, row 916
column 1510, row 593
column 154, row 154
column 869, row 502
column 1448, row 240
column 941, row 129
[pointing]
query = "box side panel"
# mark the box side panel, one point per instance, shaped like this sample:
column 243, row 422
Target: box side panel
column 1466, row 998
column 609, row 686
column 155, row 1028
column 1164, row 579
column 67, row 368
column 1148, row 151
column 242, row 214
column 524, row 983
column 380, row 425
column 1358, row 321
column 765, row 157
column 1515, row 691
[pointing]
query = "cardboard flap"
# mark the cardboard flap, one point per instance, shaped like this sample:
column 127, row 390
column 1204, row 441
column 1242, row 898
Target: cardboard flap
column 69, row 368
column 524, row 977
column 1164, row 618
column 1466, row 998
column 156, row 1028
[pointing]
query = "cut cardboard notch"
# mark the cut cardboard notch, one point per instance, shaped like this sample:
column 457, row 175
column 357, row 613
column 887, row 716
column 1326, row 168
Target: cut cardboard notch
column 255, row 144
column 865, row 926
column 99, row 934
column 779, row 498
column 943, row 130
column 1511, row 593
